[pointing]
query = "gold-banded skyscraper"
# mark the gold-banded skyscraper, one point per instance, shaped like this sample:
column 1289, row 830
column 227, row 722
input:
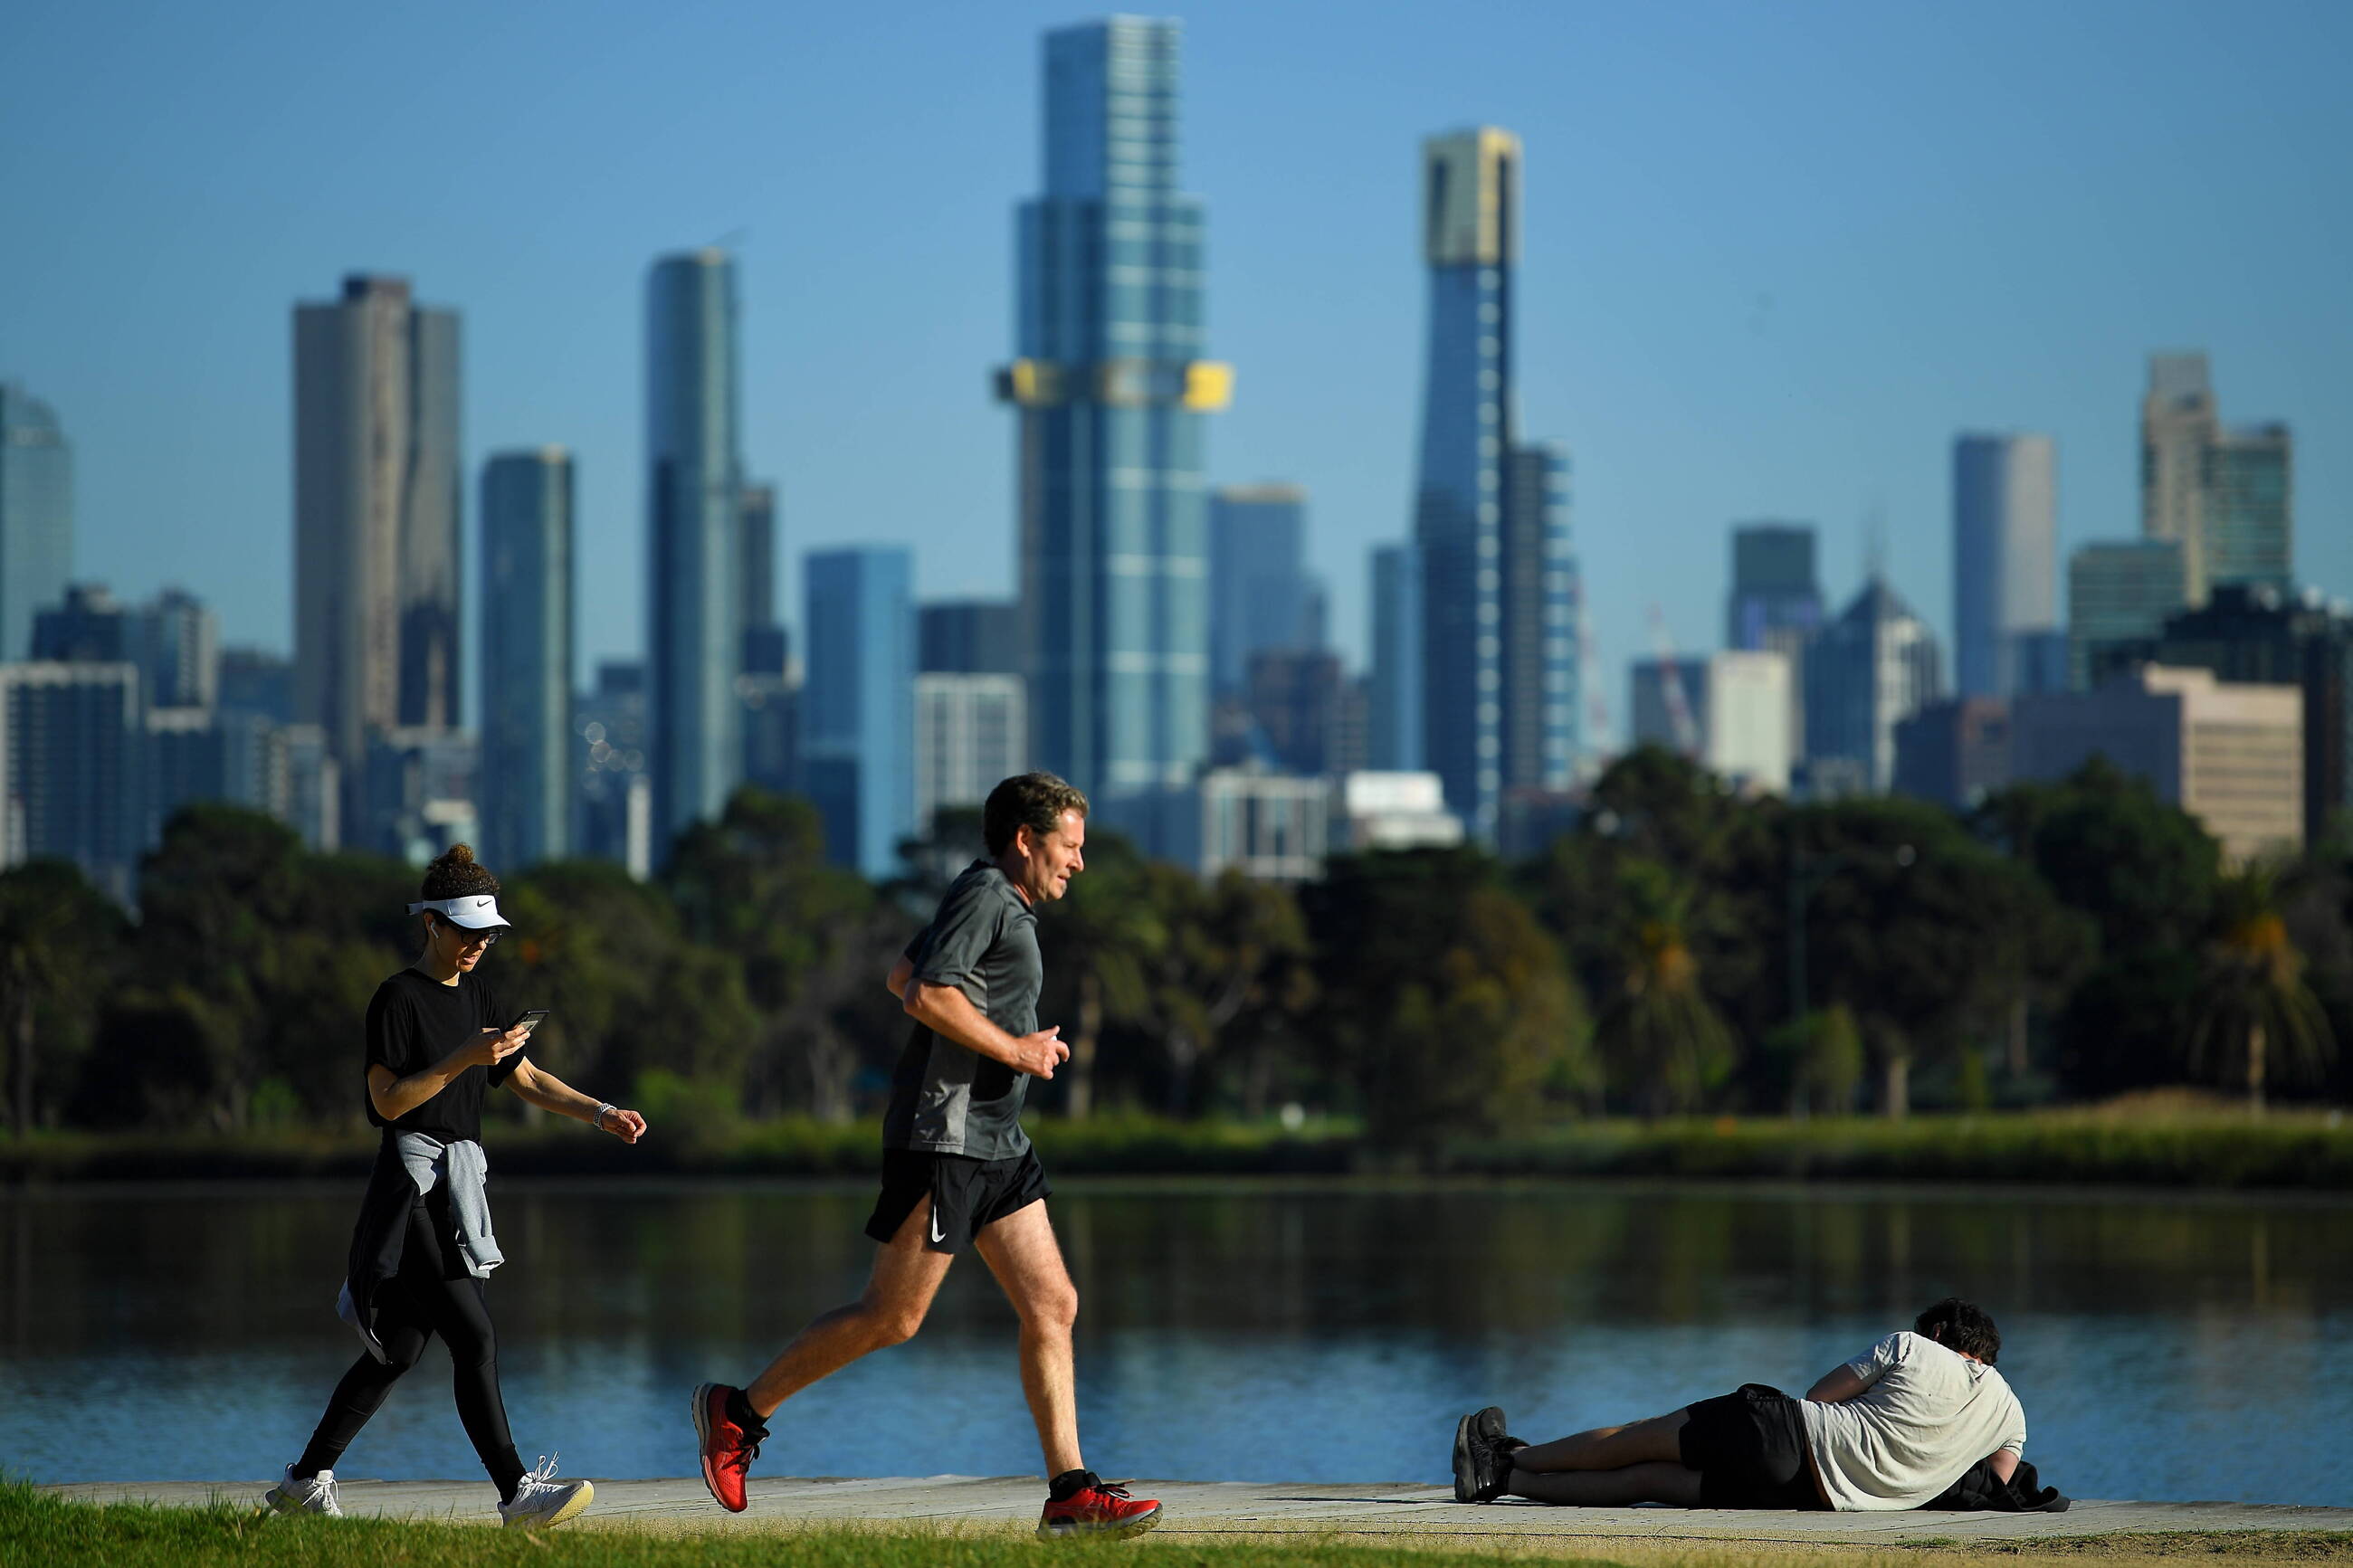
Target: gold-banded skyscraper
column 1491, row 515
column 1114, row 392
column 376, row 515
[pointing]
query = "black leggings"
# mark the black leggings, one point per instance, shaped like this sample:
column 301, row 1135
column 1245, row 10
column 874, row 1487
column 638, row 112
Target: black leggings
column 431, row 1294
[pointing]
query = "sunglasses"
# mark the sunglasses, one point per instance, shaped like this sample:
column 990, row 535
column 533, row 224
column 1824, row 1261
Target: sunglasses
column 470, row 938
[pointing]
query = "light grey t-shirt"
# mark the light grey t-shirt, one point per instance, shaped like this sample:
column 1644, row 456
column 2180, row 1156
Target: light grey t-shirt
column 1927, row 1416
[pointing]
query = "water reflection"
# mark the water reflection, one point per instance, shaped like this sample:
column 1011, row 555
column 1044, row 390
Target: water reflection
column 2164, row 1347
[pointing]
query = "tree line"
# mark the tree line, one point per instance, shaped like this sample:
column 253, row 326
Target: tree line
column 1684, row 949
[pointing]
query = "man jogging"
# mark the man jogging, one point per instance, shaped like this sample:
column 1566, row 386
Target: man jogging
column 1893, row 1428
column 956, row 1165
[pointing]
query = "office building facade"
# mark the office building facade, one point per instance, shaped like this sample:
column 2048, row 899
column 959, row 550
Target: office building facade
column 36, row 515
column 2119, row 594
column 1776, row 601
column 2250, row 508
column 1955, row 751
column 1113, row 393
column 972, row 733
column 2226, row 494
column 2005, row 561
column 1393, row 686
column 1261, row 597
column 378, row 509
column 73, row 769
column 1728, row 711
column 695, row 619
column 857, row 706
column 969, row 636
column 528, row 776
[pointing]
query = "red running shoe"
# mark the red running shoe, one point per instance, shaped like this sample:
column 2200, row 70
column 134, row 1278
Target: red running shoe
column 1098, row 1508
column 728, row 1449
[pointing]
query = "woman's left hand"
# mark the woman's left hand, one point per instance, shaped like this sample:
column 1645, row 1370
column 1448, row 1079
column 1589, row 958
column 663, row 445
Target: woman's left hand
column 626, row 1125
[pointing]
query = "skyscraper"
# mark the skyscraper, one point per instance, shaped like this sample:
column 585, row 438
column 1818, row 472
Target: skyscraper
column 694, row 638
column 377, row 510
column 1111, row 392
column 1873, row 666
column 1490, row 518
column 764, row 635
column 2119, row 593
column 2249, row 508
column 1395, row 682
column 969, row 636
column 73, row 768
column 856, row 709
column 1260, row 595
column 2178, row 422
column 971, row 731
column 1776, row 602
column 527, row 770
column 35, row 515
column 2005, row 561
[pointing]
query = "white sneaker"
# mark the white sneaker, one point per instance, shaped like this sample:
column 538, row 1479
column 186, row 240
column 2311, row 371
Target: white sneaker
column 316, row 1494
column 543, row 1500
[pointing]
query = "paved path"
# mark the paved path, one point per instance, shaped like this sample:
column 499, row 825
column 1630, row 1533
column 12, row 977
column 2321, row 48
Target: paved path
column 1237, row 1509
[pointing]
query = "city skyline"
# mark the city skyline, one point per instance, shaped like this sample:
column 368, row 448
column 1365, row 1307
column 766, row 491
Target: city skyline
column 1800, row 409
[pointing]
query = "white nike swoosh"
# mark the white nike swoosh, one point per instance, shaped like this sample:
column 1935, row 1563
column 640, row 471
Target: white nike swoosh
column 937, row 1233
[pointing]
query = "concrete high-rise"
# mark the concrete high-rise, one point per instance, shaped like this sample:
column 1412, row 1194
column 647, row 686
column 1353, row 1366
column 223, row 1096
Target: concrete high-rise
column 1112, row 391
column 528, row 772
column 1262, row 598
column 2005, row 561
column 1394, row 684
column 1490, row 518
column 694, row 482
column 972, row 729
column 2178, row 422
column 857, row 706
column 35, row 515
column 376, row 516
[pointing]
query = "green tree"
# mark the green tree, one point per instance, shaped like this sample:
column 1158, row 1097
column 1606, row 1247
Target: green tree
column 1658, row 1034
column 60, row 943
column 1101, row 941
column 2256, row 1022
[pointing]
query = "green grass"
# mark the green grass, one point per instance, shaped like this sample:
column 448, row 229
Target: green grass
column 37, row 1529
column 2165, row 1144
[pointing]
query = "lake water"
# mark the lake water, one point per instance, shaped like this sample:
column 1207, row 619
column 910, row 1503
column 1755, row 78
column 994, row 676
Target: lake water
column 2164, row 1346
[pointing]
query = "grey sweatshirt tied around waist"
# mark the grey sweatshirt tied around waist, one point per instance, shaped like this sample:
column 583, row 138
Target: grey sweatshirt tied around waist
column 462, row 1164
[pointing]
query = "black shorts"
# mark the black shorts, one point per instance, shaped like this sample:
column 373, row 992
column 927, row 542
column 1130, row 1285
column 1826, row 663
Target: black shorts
column 1750, row 1449
column 967, row 1194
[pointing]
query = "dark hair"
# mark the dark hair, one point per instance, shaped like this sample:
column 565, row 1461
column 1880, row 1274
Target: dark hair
column 1034, row 801
column 455, row 875
column 1961, row 1326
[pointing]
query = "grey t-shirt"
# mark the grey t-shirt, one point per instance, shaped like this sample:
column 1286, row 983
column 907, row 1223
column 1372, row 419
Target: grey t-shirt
column 948, row 1099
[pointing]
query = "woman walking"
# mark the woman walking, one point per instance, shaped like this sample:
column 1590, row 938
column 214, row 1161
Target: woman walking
column 438, row 1038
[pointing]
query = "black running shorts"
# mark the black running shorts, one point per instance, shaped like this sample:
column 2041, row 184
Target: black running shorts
column 1750, row 1449
column 967, row 1194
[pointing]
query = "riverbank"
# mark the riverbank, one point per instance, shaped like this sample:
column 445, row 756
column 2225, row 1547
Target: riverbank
column 2174, row 1146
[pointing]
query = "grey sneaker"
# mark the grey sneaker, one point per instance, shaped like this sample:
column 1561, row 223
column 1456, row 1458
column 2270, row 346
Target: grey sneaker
column 543, row 1500
column 1482, row 1464
column 315, row 1495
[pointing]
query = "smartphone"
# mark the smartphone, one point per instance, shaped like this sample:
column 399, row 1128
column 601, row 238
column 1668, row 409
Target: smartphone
column 528, row 1019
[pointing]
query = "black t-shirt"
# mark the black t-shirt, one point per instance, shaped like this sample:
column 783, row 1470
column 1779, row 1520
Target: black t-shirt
column 415, row 1021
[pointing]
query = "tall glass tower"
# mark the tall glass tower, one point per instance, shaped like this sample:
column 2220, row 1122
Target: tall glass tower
column 35, row 516
column 1499, row 643
column 694, row 638
column 857, row 707
column 1111, row 392
column 528, row 767
column 2005, row 561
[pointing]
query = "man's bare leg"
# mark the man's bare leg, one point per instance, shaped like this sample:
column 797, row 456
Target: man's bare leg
column 1022, row 1251
column 899, row 1293
column 1658, row 1440
column 1655, row 1482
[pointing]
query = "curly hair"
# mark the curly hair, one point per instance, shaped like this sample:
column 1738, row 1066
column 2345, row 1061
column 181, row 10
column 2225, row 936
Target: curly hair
column 457, row 875
column 1034, row 801
column 1961, row 1326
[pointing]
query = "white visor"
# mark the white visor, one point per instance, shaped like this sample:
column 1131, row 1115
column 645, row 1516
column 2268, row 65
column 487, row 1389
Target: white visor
column 476, row 911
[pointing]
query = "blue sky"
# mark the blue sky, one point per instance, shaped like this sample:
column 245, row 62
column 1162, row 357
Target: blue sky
column 1777, row 256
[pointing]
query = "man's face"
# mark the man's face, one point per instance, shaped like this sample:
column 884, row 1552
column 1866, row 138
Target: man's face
column 1047, row 865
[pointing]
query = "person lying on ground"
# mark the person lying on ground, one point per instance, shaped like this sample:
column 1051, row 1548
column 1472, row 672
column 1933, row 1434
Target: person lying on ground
column 1890, row 1429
